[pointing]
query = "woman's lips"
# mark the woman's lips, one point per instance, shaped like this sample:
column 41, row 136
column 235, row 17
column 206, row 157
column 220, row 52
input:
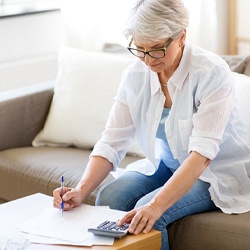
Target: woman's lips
column 154, row 65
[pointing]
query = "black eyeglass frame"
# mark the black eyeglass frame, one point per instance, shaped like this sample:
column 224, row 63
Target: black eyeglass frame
column 148, row 52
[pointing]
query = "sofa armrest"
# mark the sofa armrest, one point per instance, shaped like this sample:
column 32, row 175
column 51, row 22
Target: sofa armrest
column 22, row 113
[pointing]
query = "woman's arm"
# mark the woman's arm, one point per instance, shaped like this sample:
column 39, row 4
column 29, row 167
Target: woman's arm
column 181, row 181
column 97, row 170
column 106, row 155
column 143, row 218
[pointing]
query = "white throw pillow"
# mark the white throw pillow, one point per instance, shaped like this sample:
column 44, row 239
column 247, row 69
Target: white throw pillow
column 242, row 84
column 86, row 86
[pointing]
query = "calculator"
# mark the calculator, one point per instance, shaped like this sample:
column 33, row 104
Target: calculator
column 110, row 229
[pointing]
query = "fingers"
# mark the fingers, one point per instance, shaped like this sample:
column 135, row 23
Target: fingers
column 127, row 218
column 148, row 226
column 138, row 221
column 138, row 224
column 142, row 221
column 57, row 198
column 66, row 197
column 68, row 194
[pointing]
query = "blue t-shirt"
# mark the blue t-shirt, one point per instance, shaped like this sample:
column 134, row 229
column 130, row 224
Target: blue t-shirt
column 166, row 154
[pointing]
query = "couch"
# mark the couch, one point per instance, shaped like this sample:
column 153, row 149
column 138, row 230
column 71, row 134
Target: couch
column 43, row 137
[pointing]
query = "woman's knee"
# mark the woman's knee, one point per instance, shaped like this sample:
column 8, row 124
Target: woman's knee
column 115, row 197
column 106, row 196
column 124, row 192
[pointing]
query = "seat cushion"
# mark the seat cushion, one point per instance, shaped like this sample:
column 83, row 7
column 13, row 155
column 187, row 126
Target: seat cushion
column 211, row 231
column 28, row 170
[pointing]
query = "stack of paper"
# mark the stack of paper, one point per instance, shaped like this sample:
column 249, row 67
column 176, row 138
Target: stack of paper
column 52, row 227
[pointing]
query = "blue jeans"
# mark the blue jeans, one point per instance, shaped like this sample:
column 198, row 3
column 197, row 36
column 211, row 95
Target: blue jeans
column 133, row 189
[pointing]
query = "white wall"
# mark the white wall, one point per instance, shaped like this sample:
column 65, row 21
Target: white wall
column 28, row 49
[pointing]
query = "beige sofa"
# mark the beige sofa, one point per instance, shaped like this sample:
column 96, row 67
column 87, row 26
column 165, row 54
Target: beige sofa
column 25, row 169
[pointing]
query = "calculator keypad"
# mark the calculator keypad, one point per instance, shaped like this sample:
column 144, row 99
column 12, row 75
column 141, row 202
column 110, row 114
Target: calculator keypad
column 111, row 225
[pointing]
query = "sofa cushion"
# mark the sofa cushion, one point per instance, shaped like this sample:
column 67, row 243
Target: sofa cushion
column 22, row 113
column 86, row 85
column 31, row 170
column 211, row 231
column 247, row 68
column 237, row 63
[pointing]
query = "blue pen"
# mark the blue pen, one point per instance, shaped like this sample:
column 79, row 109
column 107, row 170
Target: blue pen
column 62, row 193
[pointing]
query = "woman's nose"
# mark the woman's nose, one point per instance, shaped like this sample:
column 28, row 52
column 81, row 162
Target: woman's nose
column 148, row 59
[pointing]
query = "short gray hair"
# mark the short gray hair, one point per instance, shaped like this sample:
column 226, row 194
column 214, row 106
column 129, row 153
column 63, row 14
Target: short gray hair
column 153, row 20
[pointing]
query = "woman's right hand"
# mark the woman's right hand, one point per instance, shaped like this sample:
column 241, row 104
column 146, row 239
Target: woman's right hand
column 72, row 198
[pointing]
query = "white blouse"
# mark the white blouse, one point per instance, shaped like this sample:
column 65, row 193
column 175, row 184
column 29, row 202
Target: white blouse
column 203, row 118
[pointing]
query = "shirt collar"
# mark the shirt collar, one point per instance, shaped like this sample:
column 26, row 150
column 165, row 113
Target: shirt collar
column 179, row 76
column 155, row 83
column 181, row 73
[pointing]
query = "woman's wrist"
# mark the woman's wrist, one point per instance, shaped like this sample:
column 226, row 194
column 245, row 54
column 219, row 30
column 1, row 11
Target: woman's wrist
column 158, row 204
column 83, row 188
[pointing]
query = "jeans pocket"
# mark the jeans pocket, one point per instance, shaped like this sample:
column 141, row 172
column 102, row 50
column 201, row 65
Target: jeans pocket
column 185, row 130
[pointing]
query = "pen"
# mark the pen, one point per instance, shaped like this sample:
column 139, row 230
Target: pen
column 62, row 193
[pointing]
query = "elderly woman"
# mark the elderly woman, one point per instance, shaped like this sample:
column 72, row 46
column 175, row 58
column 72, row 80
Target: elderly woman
column 179, row 101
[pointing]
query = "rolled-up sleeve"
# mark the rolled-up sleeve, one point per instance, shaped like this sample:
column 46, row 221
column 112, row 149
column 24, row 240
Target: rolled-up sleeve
column 215, row 98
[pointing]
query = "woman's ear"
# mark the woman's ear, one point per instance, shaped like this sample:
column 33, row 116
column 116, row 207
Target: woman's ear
column 183, row 38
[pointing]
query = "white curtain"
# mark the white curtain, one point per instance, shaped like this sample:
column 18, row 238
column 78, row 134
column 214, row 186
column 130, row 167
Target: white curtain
column 208, row 26
column 90, row 24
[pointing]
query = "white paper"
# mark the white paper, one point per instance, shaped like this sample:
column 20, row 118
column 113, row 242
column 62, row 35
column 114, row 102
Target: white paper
column 92, row 240
column 71, row 227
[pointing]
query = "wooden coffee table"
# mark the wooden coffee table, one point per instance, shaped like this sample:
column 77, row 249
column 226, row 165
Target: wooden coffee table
column 14, row 212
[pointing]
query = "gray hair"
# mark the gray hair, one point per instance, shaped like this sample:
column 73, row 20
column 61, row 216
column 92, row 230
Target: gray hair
column 153, row 20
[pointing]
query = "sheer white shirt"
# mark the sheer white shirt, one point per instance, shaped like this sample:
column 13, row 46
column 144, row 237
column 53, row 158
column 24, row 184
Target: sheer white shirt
column 203, row 118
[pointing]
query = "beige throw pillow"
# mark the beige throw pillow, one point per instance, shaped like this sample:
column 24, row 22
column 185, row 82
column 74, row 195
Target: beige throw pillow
column 84, row 93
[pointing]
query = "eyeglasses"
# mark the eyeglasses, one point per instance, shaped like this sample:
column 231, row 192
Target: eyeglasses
column 155, row 53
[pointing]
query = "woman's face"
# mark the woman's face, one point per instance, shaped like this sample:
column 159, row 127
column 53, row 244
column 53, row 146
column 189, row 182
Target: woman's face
column 172, row 57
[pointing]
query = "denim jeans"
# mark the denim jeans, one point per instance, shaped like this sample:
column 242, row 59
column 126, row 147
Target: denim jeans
column 133, row 189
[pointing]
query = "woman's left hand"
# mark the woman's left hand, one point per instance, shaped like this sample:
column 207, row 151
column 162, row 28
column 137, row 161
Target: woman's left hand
column 141, row 219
